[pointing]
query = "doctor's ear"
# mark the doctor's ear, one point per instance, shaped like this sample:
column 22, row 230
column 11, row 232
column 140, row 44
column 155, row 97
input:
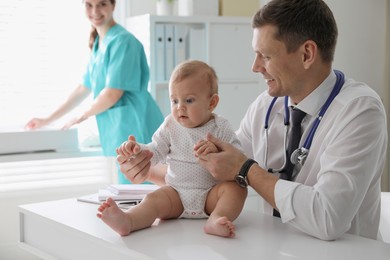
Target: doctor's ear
column 310, row 51
column 213, row 102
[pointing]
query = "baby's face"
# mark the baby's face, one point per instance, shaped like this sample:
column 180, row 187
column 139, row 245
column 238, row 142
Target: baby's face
column 190, row 101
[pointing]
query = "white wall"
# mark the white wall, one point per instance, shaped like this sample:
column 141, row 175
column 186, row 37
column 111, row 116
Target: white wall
column 362, row 50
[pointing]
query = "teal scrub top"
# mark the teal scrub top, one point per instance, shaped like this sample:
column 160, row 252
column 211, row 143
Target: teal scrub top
column 120, row 62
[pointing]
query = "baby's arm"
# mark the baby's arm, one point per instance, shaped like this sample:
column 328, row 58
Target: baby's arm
column 129, row 149
column 205, row 147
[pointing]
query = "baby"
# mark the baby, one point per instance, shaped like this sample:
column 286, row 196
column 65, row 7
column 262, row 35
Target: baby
column 190, row 190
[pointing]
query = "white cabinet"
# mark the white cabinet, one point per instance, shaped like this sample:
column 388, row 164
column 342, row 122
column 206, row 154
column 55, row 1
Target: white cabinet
column 222, row 42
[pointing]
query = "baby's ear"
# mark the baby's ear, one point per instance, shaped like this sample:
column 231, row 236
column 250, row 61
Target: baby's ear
column 213, row 102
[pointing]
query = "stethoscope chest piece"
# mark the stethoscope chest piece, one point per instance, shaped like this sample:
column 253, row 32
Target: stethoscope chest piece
column 299, row 156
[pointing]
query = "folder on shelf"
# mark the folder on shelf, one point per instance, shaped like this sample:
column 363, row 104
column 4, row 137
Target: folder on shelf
column 180, row 42
column 169, row 50
column 160, row 52
column 196, row 43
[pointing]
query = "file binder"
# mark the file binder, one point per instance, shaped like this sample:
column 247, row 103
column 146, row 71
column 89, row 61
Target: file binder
column 169, row 50
column 180, row 43
column 160, row 52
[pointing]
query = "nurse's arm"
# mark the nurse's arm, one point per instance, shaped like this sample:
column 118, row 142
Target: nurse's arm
column 73, row 100
column 105, row 100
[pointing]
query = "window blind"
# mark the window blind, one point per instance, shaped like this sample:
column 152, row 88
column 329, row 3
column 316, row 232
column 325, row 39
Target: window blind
column 55, row 173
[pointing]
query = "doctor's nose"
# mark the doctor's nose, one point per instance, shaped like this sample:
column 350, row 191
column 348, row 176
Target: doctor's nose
column 258, row 65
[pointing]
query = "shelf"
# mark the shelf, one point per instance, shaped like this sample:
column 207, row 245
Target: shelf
column 222, row 42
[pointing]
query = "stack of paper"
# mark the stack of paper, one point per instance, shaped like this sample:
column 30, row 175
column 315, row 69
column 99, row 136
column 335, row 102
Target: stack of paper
column 126, row 194
column 131, row 189
column 126, row 191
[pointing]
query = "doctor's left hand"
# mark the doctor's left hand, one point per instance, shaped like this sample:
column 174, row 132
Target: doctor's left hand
column 223, row 165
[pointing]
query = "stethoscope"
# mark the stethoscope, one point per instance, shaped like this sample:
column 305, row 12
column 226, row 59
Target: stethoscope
column 300, row 154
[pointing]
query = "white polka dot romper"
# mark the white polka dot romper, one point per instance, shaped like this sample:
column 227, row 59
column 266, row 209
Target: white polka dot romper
column 174, row 144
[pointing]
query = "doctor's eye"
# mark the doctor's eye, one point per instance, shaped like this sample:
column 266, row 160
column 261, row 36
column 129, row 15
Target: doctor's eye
column 266, row 58
column 263, row 56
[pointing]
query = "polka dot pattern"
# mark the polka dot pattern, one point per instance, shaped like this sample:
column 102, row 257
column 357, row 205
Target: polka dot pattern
column 174, row 144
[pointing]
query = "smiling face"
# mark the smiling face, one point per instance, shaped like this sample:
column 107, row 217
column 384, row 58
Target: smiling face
column 99, row 12
column 282, row 71
column 192, row 102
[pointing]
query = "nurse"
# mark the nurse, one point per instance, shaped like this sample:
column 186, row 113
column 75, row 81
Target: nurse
column 117, row 75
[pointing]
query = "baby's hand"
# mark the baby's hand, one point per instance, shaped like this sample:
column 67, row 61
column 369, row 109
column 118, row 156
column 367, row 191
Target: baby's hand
column 205, row 147
column 129, row 149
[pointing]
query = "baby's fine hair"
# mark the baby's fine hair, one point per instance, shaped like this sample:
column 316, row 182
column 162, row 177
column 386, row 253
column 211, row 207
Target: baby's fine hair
column 195, row 67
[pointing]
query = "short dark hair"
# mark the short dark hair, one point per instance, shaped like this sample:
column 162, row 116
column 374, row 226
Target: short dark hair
column 298, row 21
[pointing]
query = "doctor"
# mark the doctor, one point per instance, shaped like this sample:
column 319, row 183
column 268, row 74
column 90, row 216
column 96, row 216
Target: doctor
column 117, row 76
column 335, row 184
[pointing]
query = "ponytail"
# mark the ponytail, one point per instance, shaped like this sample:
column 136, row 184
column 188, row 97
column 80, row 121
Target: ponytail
column 92, row 37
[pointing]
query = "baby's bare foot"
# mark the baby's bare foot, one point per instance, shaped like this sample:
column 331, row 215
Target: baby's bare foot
column 220, row 227
column 114, row 217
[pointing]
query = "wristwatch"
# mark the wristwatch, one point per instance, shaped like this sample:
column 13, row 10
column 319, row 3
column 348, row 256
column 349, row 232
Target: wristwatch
column 241, row 178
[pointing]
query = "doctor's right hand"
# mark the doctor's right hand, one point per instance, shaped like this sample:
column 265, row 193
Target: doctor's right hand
column 135, row 168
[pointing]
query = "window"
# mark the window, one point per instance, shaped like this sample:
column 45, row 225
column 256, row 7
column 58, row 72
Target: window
column 43, row 54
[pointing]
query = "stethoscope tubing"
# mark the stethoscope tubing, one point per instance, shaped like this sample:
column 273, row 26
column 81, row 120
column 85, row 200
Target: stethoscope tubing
column 335, row 91
column 304, row 150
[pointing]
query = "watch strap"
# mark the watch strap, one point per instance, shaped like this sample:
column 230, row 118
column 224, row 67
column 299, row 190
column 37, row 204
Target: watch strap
column 245, row 168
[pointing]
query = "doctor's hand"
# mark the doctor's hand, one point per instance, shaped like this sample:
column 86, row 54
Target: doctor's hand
column 135, row 168
column 223, row 165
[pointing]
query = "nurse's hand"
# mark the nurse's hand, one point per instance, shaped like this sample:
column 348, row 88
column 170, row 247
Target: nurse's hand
column 223, row 165
column 36, row 123
column 136, row 168
column 74, row 121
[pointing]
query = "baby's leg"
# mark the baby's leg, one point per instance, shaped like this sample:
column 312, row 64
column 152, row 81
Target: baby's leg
column 162, row 203
column 225, row 202
column 114, row 217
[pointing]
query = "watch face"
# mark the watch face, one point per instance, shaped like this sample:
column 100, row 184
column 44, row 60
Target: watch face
column 241, row 181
